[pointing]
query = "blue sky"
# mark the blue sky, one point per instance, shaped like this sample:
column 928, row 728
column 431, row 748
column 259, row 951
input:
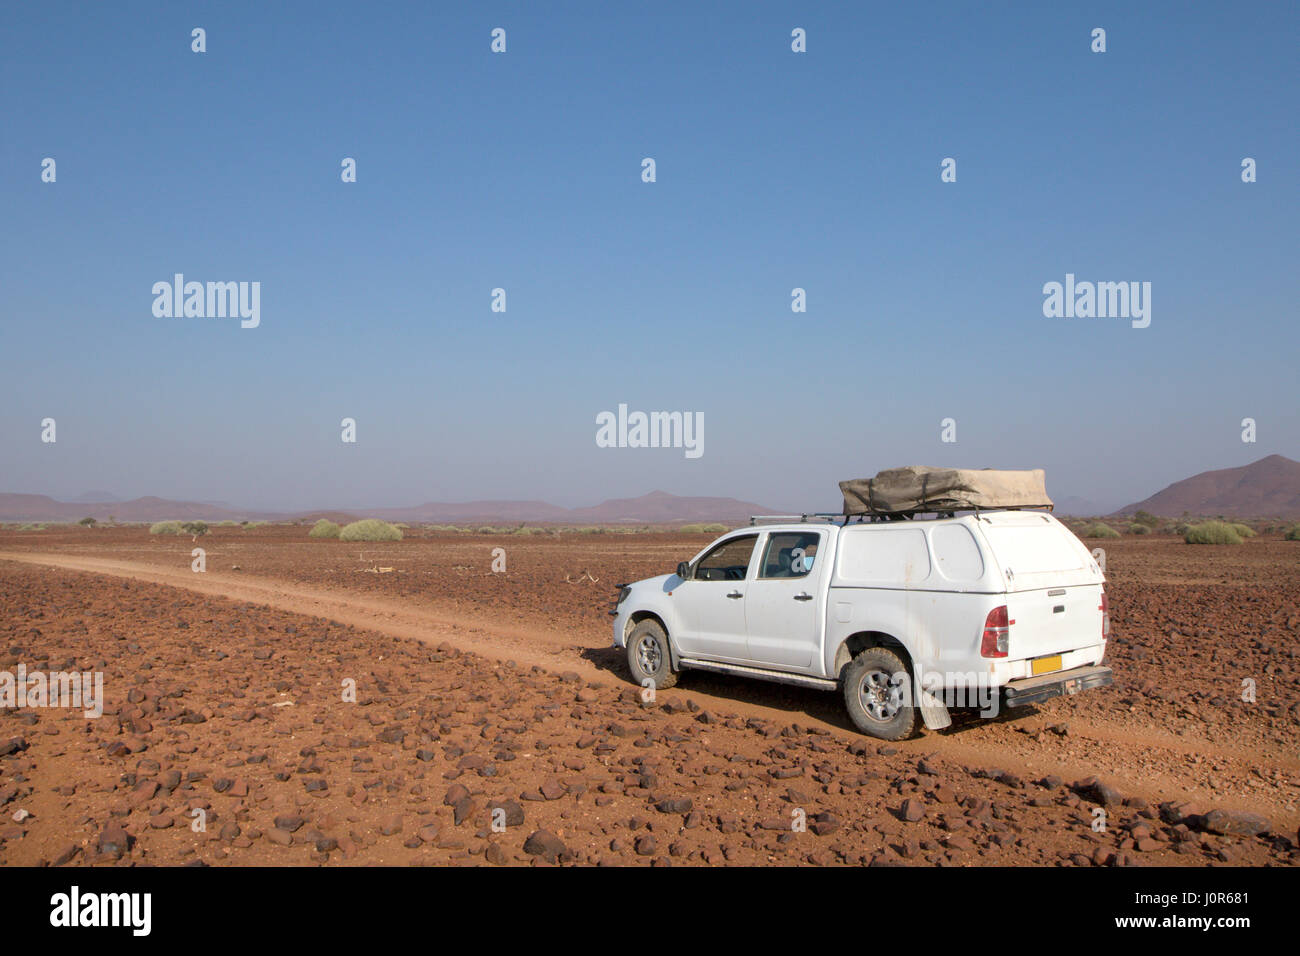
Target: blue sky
column 522, row 170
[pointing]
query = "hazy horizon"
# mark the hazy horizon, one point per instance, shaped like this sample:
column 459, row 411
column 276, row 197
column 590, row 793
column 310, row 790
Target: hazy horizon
column 522, row 170
column 105, row 497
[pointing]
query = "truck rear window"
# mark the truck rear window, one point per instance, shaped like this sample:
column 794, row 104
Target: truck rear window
column 894, row 556
column 1028, row 549
column 956, row 553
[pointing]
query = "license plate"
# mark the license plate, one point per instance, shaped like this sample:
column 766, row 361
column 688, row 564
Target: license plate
column 1045, row 665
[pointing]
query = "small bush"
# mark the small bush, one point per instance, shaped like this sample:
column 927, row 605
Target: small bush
column 1243, row 530
column 371, row 529
column 87, row 522
column 704, row 529
column 1138, row 529
column 165, row 527
column 1146, row 518
column 324, row 529
column 1292, row 533
column 195, row 527
column 253, row 524
column 1099, row 529
column 228, row 523
column 1212, row 532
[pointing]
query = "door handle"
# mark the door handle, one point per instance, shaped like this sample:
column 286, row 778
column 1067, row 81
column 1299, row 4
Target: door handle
column 803, row 596
column 735, row 594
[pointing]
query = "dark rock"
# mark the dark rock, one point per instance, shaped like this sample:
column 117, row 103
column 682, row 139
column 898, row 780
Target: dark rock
column 682, row 805
column 545, row 844
column 514, row 813
column 1235, row 823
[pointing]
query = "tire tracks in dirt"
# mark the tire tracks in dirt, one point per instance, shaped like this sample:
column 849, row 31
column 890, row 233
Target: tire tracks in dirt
column 987, row 745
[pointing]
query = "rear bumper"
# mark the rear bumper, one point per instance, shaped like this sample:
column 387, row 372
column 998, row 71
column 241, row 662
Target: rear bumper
column 1033, row 690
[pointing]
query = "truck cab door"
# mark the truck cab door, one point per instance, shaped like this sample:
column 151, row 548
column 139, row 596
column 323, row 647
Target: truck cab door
column 710, row 605
column 785, row 605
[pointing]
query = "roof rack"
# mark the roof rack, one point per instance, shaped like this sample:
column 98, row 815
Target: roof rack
column 802, row 518
column 873, row 517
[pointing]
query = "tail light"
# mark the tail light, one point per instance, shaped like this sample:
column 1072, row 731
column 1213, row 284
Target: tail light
column 1104, row 607
column 996, row 630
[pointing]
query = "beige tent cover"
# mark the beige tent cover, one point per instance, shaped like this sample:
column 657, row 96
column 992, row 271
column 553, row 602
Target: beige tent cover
column 919, row 488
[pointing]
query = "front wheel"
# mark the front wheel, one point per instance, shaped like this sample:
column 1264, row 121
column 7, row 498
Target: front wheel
column 878, row 694
column 648, row 657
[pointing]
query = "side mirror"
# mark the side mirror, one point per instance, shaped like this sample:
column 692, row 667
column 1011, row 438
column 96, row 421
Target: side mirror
column 684, row 570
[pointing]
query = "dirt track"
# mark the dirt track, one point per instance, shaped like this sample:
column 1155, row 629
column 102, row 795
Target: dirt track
column 1191, row 743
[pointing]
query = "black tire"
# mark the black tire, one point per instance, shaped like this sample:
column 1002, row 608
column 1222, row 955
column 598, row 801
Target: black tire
column 648, row 655
column 885, row 708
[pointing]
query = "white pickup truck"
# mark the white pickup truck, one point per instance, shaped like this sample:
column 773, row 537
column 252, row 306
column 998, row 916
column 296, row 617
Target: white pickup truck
column 906, row 617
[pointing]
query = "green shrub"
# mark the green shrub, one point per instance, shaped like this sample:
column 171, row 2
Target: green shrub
column 228, row 523
column 195, row 527
column 1138, row 529
column 371, row 529
column 1099, row 529
column 324, row 529
column 1146, row 518
column 87, row 522
column 253, row 524
column 704, row 529
column 165, row 527
column 1212, row 532
column 1243, row 530
column 1292, row 533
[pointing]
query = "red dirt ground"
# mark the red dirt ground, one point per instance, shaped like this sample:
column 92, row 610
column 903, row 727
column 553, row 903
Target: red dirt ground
column 224, row 694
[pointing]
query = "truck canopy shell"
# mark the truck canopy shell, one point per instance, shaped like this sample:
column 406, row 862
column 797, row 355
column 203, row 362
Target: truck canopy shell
column 994, row 552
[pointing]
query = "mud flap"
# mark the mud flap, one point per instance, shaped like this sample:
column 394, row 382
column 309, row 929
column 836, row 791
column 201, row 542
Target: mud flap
column 934, row 712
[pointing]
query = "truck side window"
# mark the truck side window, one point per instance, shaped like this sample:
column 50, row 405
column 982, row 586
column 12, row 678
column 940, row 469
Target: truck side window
column 728, row 561
column 790, row 554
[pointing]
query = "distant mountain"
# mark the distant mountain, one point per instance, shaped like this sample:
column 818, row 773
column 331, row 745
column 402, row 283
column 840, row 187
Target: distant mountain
column 1269, row 487
column 658, row 507
column 15, row 507
column 436, row 513
column 1076, row 507
column 98, row 497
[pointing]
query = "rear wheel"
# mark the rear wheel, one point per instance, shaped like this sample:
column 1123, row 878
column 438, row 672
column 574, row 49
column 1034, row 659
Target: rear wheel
column 648, row 656
column 878, row 694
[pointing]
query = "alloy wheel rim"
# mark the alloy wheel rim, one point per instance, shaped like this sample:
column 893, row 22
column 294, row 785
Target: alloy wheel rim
column 648, row 655
column 880, row 696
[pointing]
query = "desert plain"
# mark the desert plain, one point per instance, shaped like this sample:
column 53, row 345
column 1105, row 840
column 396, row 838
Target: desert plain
column 306, row 702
